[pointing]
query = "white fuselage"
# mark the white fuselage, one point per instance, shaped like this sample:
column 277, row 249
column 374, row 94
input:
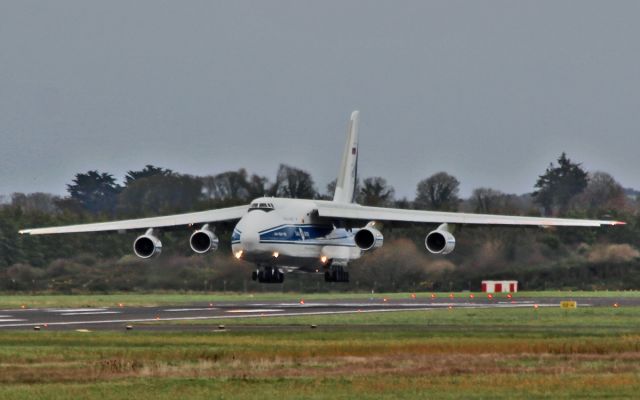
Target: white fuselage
column 284, row 233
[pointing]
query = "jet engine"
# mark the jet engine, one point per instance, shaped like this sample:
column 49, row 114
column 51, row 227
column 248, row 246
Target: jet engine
column 440, row 241
column 368, row 238
column 147, row 245
column 203, row 240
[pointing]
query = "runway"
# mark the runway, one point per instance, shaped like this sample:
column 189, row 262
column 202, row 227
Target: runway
column 118, row 318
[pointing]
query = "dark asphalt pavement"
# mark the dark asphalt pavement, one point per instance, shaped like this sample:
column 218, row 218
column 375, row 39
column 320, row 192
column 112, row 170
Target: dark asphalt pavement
column 120, row 317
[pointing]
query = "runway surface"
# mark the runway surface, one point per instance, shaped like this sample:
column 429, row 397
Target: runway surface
column 118, row 318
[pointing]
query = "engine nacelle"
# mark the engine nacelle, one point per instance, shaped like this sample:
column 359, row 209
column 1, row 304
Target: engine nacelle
column 440, row 241
column 203, row 240
column 368, row 238
column 147, row 245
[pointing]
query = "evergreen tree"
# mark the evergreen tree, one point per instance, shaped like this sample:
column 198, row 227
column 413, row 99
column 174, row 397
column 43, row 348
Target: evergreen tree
column 95, row 191
column 147, row 172
column 559, row 184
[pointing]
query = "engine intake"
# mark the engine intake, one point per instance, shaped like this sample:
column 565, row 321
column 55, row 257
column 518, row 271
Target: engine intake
column 368, row 238
column 203, row 240
column 440, row 241
column 147, row 245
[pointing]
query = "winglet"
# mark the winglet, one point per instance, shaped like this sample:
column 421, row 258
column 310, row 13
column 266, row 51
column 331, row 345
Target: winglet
column 346, row 183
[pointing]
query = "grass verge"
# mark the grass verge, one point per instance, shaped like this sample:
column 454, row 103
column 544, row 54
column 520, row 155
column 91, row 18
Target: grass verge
column 443, row 354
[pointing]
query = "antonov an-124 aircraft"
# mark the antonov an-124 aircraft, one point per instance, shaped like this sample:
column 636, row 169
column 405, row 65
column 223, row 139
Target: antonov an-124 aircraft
column 280, row 235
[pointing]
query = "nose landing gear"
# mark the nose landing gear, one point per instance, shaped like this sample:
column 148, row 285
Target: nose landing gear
column 268, row 275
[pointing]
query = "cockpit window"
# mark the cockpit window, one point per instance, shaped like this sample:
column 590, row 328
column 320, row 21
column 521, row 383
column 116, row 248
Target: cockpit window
column 266, row 207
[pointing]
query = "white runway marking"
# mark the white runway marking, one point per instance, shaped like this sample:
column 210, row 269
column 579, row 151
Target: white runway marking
column 190, row 309
column 6, row 316
column 90, row 313
column 78, row 310
column 391, row 304
column 11, row 320
column 121, row 321
column 256, row 315
column 255, row 311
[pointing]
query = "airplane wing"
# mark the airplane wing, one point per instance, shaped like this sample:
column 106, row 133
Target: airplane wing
column 358, row 212
column 188, row 219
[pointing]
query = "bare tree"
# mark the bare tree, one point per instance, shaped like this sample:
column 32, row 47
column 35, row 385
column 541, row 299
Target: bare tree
column 438, row 192
column 376, row 192
column 294, row 183
column 491, row 201
column 602, row 193
column 39, row 202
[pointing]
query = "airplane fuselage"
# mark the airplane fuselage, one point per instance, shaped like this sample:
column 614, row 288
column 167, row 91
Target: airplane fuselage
column 285, row 233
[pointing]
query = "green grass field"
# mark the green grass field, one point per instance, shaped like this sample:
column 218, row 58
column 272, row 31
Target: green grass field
column 153, row 299
column 440, row 354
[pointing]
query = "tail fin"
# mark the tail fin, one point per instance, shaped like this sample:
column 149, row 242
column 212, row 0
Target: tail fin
column 346, row 183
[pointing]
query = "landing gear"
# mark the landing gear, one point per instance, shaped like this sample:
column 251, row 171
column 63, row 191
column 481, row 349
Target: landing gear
column 336, row 274
column 268, row 275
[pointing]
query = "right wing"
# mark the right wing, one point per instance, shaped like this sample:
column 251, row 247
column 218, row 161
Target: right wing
column 188, row 219
column 327, row 209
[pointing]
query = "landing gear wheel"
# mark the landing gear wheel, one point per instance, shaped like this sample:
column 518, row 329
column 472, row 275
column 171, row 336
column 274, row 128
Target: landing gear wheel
column 336, row 274
column 269, row 275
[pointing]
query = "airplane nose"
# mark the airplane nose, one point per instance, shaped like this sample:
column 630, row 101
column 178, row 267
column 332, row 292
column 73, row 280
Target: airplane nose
column 249, row 240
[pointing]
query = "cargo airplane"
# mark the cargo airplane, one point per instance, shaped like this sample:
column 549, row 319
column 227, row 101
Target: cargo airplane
column 281, row 234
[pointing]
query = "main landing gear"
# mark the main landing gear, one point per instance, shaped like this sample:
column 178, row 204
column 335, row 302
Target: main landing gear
column 268, row 275
column 336, row 274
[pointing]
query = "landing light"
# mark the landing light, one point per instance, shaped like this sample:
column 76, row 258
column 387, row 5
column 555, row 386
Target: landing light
column 275, row 254
column 238, row 254
column 323, row 259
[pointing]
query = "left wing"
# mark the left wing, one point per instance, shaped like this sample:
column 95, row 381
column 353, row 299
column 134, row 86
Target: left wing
column 329, row 209
column 188, row 219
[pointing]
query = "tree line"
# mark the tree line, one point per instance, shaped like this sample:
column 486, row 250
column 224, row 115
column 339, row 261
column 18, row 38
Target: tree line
column 562, row 258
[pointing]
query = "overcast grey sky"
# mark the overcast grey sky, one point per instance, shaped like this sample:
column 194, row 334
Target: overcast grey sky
column 489, row 91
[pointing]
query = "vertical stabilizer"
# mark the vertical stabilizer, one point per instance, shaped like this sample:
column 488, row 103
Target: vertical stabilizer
column 346, row 183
